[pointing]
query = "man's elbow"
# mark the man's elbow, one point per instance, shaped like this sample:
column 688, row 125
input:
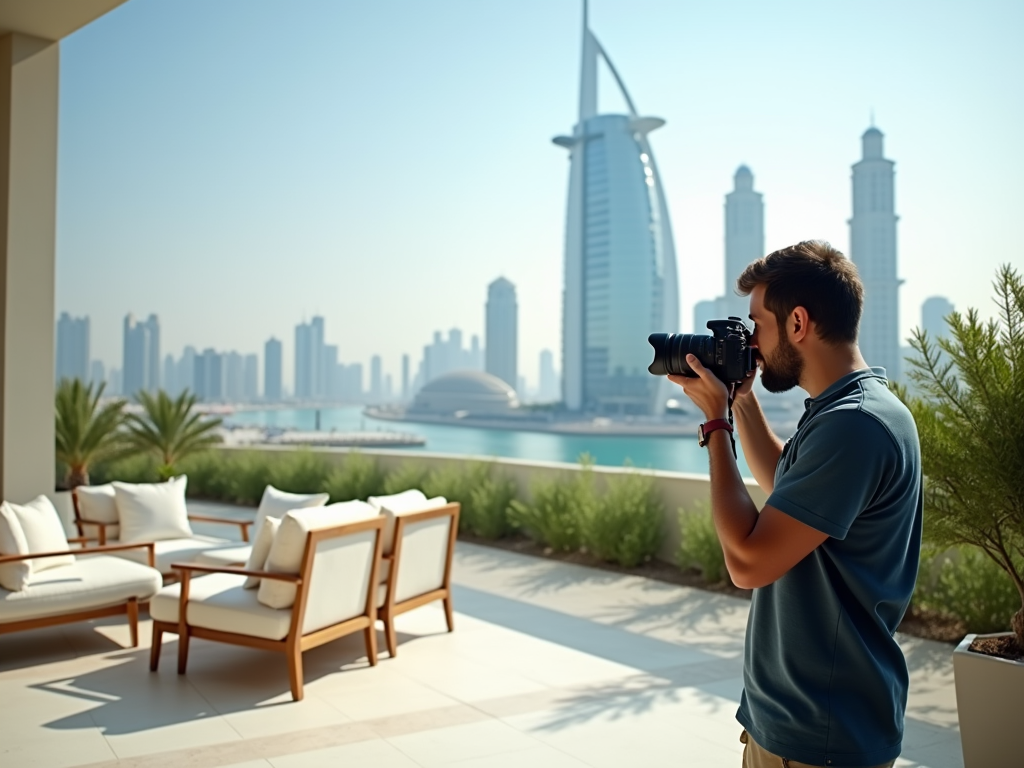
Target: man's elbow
column 748, row 575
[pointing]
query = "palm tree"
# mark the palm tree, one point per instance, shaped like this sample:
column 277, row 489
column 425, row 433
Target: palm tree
column 168, row 428
column 86, row 433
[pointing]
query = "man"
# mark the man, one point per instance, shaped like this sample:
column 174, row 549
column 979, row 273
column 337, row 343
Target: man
column 832, row 557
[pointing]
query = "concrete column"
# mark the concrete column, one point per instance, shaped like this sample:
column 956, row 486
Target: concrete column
column 29, row 76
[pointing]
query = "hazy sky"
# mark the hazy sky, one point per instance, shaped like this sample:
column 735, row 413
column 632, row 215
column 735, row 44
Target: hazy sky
column 236, row 166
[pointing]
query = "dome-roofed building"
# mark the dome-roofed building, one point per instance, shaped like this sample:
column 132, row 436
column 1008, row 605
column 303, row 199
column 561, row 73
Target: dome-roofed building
column 466, row 393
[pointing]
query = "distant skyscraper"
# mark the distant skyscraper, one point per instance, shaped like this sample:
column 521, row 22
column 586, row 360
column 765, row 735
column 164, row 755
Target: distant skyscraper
column 476, row 355
column 709, row 310
column 115, row 382
column 310, row 373
column 620, row 262
column 209, row 376
column 873, row 250
column 170, row 377
column 272, row 370
column 934, row 312
column 548, row 389
column 443, row 356
column 744, row 239
column 97, row 372
column 376, row 379
column 405, row 377
column 234, row 372
column 141, row 361
column 501, row 348
column 186, row 370
column 72, row 348
column 250, row 377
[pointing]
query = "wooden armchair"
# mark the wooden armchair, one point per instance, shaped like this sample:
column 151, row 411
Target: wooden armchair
column 418, row 569
column 336, row 594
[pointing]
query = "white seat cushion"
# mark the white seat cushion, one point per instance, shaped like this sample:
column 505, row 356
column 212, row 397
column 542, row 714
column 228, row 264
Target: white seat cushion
column 92, row 581
column 289, row 544
column 220, row 601
column 260, row 550
column 405, row 507
column 225, row 555
column 152, row 511
column 277, row 503
column 423, row 559
column 13, row 576
column 98, row 503
column 170, row 551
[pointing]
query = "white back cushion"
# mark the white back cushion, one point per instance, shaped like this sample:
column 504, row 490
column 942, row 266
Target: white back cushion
column 13, row 576
column 40, row 530
column 412, row 495
column 276, row 503
column 152, row 511
column 402, row 507
column 289, row 545
column 339, row 585
column 97, row 502
column 261, row 549
column 424, row 554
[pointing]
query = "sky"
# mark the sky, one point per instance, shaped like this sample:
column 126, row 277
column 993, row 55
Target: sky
column 238, row 166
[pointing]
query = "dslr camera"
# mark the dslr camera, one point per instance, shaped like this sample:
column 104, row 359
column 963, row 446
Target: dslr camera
column 726, row 353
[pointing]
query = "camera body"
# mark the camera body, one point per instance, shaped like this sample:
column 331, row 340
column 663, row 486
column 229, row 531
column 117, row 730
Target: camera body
column 726, row 352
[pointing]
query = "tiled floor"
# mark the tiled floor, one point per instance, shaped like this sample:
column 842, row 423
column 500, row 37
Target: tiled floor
column 550, row 665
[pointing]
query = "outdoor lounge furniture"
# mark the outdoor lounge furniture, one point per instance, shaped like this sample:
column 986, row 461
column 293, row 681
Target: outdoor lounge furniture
column 95, row 585
column 419, row 544
column 332, row 592
column 97, row 515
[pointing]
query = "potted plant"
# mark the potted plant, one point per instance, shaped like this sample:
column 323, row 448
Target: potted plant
column 969, row 409
column 170, row 429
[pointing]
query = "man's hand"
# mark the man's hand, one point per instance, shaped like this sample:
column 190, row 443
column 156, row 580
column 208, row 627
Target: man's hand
column 707, row 391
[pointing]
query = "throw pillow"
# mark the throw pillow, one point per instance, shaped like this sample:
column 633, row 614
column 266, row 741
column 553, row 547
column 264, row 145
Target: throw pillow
column 152, row 511
column 277, row 503
column 289, row 545
column 397, row 498
column 97, row 502
column 42, row 531
column 13, row 576
column 400, row 508
column 261, row 549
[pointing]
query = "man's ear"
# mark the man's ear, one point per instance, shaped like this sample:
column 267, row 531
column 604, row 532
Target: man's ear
column 799, row 325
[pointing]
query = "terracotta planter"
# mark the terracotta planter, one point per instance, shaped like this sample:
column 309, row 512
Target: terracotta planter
column 989, row 702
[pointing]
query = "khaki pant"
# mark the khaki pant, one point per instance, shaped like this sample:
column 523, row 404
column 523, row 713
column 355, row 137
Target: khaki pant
column 756, row 756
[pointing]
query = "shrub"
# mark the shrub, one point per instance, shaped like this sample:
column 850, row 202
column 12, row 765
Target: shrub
column 209, row 475
column 407, row 476
column 250, row 474
column 700, row 547
column 139, row 468
column 555, row 515
column 625, row 524
column 969, row 586
column 300, row 471
column 357, row 478
column 486, row 514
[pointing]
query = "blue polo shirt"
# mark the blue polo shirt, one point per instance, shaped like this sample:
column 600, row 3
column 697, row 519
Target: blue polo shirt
column 824, row 682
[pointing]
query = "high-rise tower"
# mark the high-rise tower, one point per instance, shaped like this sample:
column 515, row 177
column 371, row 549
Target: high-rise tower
column 744, row 239
column 620, row 261
column 501, row 347
column 873, row 250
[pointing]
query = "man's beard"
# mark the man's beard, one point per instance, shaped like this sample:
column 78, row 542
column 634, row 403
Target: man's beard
column 781, row 372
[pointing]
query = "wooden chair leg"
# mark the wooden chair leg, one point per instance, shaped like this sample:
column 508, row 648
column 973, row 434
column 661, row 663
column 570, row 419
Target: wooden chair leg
column 154, row 649
column 294, row 654
column 183, row 638
column 449, row 617
column 370, row 633
column 389, row 636
column 133, row 620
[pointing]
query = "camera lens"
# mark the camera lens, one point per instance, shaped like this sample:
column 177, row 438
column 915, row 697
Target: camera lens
column 671, row 349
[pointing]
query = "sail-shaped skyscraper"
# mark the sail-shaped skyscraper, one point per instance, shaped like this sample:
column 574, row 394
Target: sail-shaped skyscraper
column 620, row 261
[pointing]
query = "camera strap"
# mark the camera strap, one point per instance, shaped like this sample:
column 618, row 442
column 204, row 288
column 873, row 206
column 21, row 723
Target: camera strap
column 732, row 432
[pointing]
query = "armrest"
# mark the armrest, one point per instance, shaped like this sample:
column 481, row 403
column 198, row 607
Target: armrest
column 203, row 568
column 102, row 526
column 99, row 550
column 243, row 524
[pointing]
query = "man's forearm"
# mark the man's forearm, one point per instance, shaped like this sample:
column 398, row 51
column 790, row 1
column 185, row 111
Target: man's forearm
column 733, row 510
column 761, row 447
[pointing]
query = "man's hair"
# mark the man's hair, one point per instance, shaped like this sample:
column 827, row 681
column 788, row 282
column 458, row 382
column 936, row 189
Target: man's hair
column 815, row 276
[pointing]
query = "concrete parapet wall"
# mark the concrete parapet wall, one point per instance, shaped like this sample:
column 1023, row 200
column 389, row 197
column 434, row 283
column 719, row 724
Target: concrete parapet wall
column 677, row 490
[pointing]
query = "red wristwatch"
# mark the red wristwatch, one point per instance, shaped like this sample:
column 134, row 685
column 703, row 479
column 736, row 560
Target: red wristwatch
column 704, row 430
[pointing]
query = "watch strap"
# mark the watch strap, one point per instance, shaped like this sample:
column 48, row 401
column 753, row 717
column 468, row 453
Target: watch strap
column 711, row 426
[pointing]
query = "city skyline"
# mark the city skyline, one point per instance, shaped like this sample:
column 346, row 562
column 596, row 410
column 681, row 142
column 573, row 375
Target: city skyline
column 266, row 218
